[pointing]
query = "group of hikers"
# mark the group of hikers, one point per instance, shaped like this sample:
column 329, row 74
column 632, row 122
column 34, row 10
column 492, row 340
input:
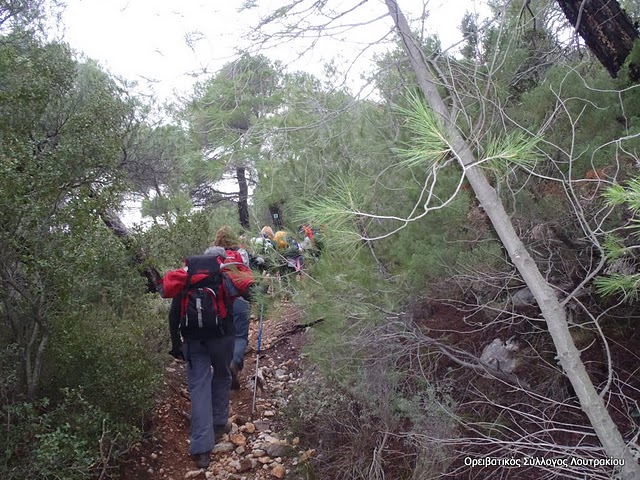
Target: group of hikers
column 281, row 253
column 210, row 315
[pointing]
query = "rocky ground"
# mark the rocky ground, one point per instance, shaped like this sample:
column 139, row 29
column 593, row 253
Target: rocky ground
column 258, row 446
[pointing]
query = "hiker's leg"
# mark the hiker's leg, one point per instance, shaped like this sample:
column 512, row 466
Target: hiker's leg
column 221, row 350
column 241, row 312
column 199, row 382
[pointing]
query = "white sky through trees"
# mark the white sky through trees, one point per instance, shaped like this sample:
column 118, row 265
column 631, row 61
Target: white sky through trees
column 165, row 45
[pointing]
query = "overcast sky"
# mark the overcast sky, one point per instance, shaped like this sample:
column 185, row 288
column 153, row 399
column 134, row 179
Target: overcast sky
column 165, row 44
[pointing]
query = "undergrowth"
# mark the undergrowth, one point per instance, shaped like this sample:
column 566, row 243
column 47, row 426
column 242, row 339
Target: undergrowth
column 366, row 410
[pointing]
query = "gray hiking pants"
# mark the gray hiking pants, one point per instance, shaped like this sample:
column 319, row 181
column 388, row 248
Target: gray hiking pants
column 241, row 313
column 209, row 388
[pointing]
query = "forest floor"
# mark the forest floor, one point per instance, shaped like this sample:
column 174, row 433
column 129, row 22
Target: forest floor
column 258, row 447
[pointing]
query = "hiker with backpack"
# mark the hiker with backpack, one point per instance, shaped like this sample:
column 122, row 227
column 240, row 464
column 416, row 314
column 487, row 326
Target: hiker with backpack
column 202, row 334
column 290, row 259
column 263, row 242
column 237, row 263
column 263, row 249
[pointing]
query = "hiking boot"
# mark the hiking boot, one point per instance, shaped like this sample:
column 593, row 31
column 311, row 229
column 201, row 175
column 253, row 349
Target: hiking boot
column 235, row 380
column 220, row 430
column 202, row 459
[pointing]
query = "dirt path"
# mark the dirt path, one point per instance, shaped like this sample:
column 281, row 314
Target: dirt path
column 258, row 447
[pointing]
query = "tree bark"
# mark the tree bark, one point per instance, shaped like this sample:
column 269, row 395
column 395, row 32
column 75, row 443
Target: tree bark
column 243, row 198
column 554, row 314
column 606, row 29
column 33, row 362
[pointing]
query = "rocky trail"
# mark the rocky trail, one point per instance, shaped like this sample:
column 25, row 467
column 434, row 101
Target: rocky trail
column 258, row 446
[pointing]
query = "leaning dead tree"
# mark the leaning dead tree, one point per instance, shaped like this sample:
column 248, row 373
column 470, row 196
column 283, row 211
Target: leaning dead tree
column 554, row 314
column 606, row 29
column 138, row 256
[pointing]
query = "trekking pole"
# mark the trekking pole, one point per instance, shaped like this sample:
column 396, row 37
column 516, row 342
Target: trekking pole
column 255, row 384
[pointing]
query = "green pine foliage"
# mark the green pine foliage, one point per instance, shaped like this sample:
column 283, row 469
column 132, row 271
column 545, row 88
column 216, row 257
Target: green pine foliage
column 620, row 279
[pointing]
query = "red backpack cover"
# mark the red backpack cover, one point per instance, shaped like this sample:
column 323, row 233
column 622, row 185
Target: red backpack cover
column 237, row 271
column 173, row 282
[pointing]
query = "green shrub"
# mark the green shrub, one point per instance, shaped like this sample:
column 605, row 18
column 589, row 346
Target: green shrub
column 60, row 442
column 115, row 359
column 189, row 234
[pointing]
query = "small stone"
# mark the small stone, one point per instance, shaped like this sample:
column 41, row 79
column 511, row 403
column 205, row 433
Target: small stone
column 269, row 413
column 307, row 455
column 278, row 471
column 150, row 471
column 238, row 439
column 240, row 450
column 278, row 449
column 281, row 375
column 295, row 441
column 264, row 460
column 262, row 425
column 245, row 465
column 258, row 452
column 249, row 427
column 223, row 447
column 154, row 456
column 194, row 473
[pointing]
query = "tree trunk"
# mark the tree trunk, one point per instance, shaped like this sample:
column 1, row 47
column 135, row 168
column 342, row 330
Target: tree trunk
column 276, row 216
column 554, row 314
column 113, row 222
column 243, row 198
column 606, row 29
column 33, row 361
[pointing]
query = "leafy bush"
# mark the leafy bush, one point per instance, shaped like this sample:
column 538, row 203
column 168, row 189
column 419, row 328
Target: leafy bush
column 120, row 370
column 168, row 245
column 102, row 361
column 71, row 440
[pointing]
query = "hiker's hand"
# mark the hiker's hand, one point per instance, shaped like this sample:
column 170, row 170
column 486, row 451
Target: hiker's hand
column 176, row 353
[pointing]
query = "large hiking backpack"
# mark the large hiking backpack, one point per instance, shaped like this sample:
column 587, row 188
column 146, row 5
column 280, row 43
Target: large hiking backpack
column 236, row 269
column 262, row 245
column 206, row 304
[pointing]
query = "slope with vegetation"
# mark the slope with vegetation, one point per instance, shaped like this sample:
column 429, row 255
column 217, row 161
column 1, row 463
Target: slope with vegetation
column 479, row 287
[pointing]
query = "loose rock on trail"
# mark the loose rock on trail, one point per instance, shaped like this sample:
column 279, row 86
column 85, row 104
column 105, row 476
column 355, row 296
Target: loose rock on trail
column 258, row 446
